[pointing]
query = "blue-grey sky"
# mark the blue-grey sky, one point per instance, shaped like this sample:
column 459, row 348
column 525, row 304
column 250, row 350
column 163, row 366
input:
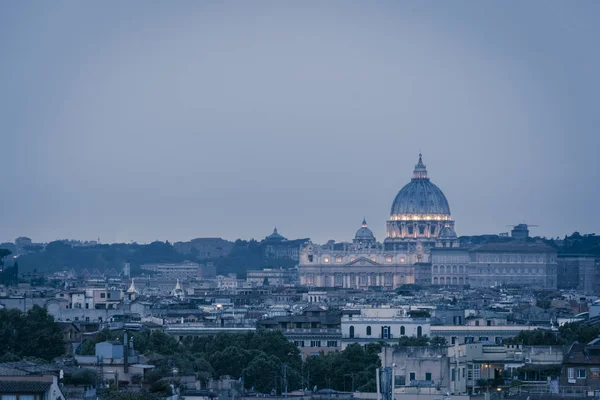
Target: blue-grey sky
column 153, row 120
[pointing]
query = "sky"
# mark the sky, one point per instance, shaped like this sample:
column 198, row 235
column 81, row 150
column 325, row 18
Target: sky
column 152, row 120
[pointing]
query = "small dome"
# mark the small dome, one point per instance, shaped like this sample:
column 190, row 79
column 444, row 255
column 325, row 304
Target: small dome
column 420, row 196
column 364, row 233
column 448, row 233
column 275, row 236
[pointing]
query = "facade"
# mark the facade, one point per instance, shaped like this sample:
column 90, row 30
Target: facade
column 449, row 266
column 426, row 366
column 268, row 276
column 381, row 324
column 513, row 263
column 580, row 272
column 419, row 221
column 581, row 367
column 314, row 331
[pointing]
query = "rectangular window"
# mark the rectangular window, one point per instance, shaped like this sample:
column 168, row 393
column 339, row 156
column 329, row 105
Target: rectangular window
column 453, row 375
column 326, row 260
column 428, row 376
column 338, row 260
column 332, row 343
column 310, row 258
column 453, row 340
column 483, row 338
column 571, row 373
column 299, row 343
column 412, row 376
column 102, row 295
column 581, row 373
column 315, row 343
column 108, row 295
column 388, row 260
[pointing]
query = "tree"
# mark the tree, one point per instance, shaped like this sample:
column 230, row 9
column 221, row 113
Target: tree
column 31, row 334
column 438, row 341
column 413, row 341
column 536, row 337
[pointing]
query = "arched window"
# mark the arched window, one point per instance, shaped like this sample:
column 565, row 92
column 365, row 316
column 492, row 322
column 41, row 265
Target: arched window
column 435, row 281
column 368, row 331
column 419, row 331
column 402, row 331
column 351, row 331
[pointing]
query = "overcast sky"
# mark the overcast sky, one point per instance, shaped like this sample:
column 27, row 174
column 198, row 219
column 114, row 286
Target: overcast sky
column 154, row 120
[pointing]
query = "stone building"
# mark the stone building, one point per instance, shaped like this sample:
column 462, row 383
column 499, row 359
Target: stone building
column 449, row 266
column 419, row 221
column 513, row 263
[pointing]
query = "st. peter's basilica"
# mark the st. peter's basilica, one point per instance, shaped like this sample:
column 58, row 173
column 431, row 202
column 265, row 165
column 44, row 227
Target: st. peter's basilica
column 419, row 220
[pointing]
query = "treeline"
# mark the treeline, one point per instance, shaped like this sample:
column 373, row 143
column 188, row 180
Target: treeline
column 33, row 334
column 60, row 256
column 566, row 335
column 263, row 361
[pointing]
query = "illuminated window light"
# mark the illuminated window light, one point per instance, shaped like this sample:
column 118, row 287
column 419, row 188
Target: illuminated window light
column 326, row 260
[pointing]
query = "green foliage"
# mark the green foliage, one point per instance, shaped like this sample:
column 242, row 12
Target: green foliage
column 339, row 368
column 161, row 387
column 537, row 337
column 578, row 332
column 59, row 256
column 4, row 253
column 414, row 341
column 419, row 314
column 567, row 334
column 438, row 341
column 545, row 304
column 81, row 377
column 31, row 334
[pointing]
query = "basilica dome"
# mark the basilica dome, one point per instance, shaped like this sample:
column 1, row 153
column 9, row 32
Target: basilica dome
column 364, row 233
column 420, row 198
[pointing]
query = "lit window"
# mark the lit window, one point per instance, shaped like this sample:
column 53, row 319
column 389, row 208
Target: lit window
column 388, row 259
column 352, row 259
column 373, row 259
column 326, row 260
column 338, row 259
column 401, row 259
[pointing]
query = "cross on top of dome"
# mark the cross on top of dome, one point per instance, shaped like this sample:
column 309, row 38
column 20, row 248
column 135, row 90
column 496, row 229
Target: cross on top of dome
column 420, row 171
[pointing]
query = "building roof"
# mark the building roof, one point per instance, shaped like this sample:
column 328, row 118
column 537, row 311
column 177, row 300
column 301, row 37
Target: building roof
column 420, row 196
column 275, row 236
column 513, row 247
column 448, row 233
column 24, row 387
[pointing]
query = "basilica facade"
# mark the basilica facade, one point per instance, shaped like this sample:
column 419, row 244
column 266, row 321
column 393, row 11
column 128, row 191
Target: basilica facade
column 419, row 221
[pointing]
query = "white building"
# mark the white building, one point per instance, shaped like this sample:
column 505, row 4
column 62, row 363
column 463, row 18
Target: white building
column 377, row 324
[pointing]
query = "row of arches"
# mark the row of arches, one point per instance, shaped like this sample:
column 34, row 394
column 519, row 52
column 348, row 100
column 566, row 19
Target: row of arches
column 451, row 281
column 449, row 269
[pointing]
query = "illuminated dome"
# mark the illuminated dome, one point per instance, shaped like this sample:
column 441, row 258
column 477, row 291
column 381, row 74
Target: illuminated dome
column 420, row 199
column 420, row 211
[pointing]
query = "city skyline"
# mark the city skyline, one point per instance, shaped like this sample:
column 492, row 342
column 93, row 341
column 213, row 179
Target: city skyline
column 226, row 120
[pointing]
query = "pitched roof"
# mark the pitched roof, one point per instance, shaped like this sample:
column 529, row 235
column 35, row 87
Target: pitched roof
column 24, row 387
